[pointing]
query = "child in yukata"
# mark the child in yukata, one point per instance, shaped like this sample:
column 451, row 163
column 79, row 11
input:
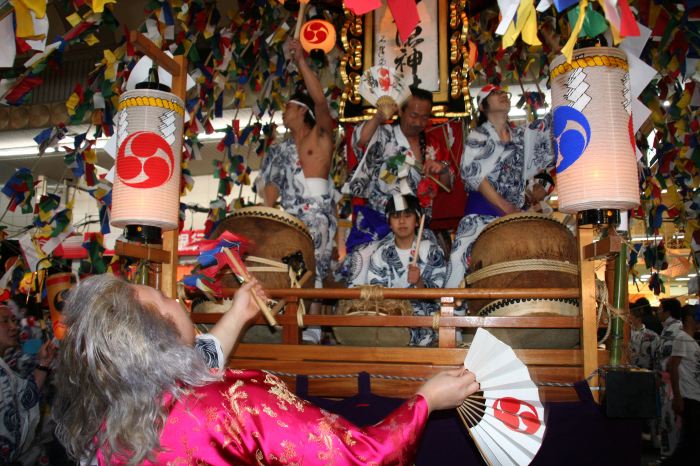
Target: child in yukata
column 391, row 265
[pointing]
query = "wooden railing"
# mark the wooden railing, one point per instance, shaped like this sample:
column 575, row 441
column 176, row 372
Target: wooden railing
column 563, row 366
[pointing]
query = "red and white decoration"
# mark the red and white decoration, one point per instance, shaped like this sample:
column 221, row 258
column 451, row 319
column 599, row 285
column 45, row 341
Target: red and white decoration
column 317, row 34
column 506, row 418
column 381, row 85
column 149, row 144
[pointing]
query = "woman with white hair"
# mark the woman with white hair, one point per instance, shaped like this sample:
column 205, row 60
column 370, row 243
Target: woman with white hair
column 133, row 390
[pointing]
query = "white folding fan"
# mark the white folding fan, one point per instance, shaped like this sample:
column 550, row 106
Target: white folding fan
column 506, row 418
column 381, row 85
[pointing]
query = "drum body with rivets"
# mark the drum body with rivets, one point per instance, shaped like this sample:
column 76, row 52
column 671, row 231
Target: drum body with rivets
column 526, row 251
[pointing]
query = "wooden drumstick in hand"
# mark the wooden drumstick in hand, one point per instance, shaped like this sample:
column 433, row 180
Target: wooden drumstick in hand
column 300, row 17
column 420, row 235
column 239, row 269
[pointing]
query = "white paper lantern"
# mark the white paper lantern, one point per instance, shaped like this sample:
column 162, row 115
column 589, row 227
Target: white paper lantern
column 147, row 176
column 593, row 132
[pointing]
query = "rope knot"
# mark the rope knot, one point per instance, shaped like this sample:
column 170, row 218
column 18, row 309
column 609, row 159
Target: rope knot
column 371, row 292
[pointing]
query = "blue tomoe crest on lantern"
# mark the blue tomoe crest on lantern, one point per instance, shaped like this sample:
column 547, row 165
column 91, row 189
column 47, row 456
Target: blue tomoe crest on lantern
column 572, row 133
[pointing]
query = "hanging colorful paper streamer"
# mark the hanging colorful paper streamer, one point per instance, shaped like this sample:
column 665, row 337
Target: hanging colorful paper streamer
column 524, row 24
column 568, row 48
column 594, row 24
column 212, row 257
column 217, row 212
column 20, row 189
column 95, row 249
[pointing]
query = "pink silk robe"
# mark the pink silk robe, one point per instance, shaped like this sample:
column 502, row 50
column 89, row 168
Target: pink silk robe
column 251, row 417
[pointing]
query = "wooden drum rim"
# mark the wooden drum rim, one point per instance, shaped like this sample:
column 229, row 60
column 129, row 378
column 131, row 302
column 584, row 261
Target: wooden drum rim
column 271, row 213
column 520, row 216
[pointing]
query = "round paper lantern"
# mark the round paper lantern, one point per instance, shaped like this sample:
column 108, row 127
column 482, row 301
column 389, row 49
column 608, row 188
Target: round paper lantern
column 57, row 286
column 593, row 132
column 317, row 34
column 147, row 175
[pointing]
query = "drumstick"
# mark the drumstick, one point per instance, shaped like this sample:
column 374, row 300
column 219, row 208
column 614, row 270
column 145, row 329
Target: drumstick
column 438, row 183
column 239, row 269
column 300, row 17
column 420, row 235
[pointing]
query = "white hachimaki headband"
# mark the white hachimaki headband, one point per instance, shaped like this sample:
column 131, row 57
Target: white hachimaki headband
column 311, row 112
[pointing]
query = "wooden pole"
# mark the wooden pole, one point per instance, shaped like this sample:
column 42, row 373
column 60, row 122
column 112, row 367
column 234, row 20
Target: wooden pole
column 177, row 67
column 170, row 238
column 589, row 328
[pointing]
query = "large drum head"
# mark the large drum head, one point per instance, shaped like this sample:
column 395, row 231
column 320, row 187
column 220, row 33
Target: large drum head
column 274, row 235
column 527, row 250
column 523, row 237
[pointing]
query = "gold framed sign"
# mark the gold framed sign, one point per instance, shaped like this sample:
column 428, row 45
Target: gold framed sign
column 434, row 56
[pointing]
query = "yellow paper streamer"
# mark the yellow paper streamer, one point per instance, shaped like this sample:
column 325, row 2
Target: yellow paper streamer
column 526, row 24
column 74, row 19
column 91, row 39
column 71, row 103
column 684, row 102
column 23, row 16
column 98, row 6
column 568, row 49
column 90, row 156
column 110, row 69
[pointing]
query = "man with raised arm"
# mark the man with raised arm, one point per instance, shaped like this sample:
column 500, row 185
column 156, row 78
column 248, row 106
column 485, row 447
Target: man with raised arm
column 297, row 169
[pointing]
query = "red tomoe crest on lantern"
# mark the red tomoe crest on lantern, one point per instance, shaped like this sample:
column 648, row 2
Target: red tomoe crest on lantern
column 317, row 34
column 145, row 160
column 147, row 182
column 517, row 415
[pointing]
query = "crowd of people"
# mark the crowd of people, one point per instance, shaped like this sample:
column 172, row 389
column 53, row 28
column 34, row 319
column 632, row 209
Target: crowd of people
column 663, row 341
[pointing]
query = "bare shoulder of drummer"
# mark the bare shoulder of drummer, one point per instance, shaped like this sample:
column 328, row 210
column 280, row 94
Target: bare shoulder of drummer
column 316, row 146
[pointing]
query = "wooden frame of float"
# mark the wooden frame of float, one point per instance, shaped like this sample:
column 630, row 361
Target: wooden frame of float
column 545, row 365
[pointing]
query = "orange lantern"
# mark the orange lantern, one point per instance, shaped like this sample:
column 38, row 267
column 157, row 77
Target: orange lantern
column 57, row 285
column 317, row 34
column 149, row 144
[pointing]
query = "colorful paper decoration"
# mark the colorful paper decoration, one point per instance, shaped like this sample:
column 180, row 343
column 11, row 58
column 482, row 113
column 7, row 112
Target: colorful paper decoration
column 317, row 34
column 20, row 189
column 593, row 136
column 149, row 141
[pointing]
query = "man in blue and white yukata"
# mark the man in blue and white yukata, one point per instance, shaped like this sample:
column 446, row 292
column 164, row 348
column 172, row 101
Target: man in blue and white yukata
column 498, row 160
column 394, row 159
column 297, row 169
column 391, row 265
